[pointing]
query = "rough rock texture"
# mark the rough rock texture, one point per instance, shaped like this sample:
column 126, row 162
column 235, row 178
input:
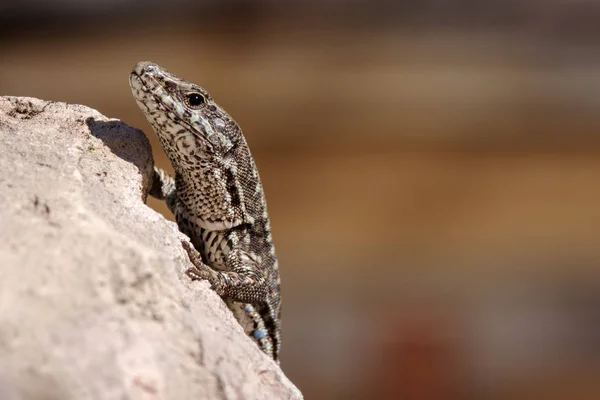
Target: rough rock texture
column 93, row 300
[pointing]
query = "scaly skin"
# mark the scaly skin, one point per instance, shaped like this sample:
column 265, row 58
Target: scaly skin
column 216, row 197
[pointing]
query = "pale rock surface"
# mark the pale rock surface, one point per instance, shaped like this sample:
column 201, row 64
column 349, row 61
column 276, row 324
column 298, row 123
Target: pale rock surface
column 94, row 302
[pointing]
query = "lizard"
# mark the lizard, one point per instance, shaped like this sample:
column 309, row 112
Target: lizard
column 216, row 197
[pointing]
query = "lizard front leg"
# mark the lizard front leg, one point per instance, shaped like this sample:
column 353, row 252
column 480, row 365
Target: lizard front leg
column 242, row 282
column 163, row 185
column 164, row 188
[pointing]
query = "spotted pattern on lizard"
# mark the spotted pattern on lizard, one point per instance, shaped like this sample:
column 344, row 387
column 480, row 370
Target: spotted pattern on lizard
column 217, row 199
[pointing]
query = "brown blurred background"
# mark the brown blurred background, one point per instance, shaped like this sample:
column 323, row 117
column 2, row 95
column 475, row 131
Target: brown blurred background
column 432, row 170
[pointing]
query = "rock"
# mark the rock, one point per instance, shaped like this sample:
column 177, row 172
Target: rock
column 94, row 302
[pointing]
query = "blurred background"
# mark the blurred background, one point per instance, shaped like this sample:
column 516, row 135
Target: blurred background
column 432, row 170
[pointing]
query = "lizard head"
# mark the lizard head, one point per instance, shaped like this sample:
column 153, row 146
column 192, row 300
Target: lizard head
column 190, row 125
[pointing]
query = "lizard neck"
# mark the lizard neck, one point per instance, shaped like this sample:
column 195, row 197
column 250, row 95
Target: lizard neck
column 206, row 195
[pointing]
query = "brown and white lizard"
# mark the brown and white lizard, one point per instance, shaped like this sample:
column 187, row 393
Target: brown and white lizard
column 217, row 199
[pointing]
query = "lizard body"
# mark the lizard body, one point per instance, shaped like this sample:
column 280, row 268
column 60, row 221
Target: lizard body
column 217, row 199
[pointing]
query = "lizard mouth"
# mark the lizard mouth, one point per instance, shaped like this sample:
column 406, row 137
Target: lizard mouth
column 145, row 82
column 145, row 86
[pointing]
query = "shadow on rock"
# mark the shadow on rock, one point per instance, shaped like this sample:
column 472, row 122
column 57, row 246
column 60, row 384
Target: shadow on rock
column 124, row 141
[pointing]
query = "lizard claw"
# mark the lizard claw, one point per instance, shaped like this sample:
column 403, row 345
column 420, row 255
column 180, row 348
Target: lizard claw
column 197, row 272
column 194, row 274
column 186, row 246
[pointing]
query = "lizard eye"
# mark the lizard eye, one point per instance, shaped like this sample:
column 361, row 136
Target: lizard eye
column 195, row 99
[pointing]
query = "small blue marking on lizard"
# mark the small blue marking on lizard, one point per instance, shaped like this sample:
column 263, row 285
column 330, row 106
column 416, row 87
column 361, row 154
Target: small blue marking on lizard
column 258, row 334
